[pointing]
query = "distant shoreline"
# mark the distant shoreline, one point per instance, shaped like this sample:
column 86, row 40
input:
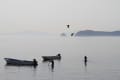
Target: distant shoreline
column 97, row 33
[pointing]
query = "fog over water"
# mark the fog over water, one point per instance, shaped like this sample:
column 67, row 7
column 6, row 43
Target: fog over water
column 29, row 29
column 54, row 15
column 102, row 52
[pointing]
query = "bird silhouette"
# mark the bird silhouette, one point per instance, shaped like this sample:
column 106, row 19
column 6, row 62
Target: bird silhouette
column 68, row 26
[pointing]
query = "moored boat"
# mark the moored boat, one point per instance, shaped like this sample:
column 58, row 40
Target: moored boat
column 47, row 58
column 11, row 61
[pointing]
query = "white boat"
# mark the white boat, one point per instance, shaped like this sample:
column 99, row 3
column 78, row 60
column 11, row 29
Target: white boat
column 11, row 61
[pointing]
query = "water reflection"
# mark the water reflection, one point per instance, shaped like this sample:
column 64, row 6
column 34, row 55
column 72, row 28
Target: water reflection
column 30, row 66
column 24, row 72
column 51, row 64
column 85, row 64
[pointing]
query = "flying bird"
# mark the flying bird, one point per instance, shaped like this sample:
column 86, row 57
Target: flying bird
column 68, row 26
column 72, row 34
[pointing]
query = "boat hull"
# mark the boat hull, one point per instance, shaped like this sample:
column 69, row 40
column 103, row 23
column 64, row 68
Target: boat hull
column 47, row 58
column 10, row 61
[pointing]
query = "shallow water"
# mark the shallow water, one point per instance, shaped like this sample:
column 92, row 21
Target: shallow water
column 103, row 58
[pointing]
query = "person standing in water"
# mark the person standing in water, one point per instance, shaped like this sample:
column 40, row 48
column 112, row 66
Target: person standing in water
column 35, row 63
column 85, row 60
column 52, row 64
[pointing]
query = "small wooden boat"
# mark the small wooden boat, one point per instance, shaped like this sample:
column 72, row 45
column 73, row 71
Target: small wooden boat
column 11, row 61
column 47, row 58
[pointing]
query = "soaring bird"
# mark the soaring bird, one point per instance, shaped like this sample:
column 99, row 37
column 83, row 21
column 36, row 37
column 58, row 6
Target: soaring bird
column 68, row 26
column 72, row 34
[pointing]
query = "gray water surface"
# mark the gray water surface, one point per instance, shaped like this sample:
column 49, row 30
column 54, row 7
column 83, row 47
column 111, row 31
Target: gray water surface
column 103, row 58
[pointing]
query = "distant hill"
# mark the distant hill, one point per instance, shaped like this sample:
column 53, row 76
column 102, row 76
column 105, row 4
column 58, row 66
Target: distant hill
column 97, row 33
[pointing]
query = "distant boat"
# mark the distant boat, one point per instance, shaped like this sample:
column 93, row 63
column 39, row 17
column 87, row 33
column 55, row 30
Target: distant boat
column 11, row 61
column 47, row 58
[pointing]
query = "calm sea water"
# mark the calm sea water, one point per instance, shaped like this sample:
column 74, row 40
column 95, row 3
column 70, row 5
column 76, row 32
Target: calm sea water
column 103, row 58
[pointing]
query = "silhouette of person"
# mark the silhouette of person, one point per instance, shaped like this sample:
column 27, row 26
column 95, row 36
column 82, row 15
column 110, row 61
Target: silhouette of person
column 52, row 64
column 85, row 60
column 35, row 63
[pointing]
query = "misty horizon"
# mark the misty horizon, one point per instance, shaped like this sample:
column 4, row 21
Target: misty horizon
column 53, row 16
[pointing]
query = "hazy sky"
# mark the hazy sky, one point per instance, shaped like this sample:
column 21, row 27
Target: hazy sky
column 53, row 15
